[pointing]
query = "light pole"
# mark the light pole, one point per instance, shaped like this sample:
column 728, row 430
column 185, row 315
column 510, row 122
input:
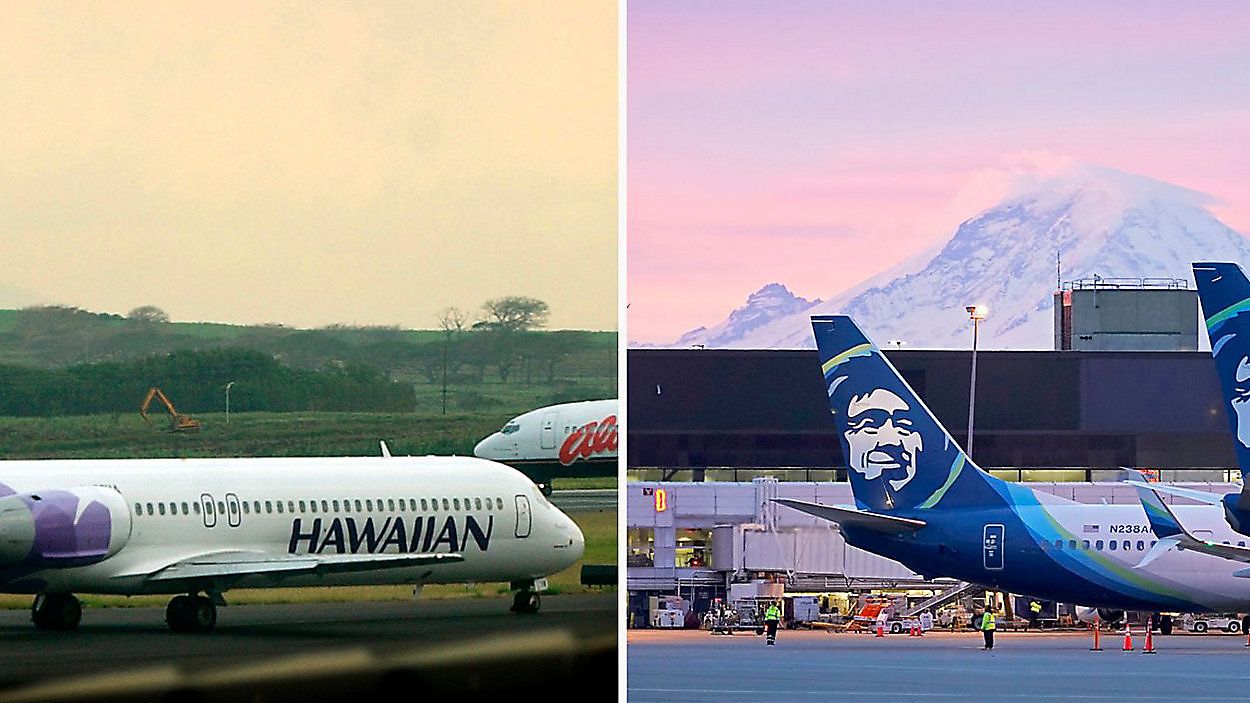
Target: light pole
column 976, row 313
column 228, row 401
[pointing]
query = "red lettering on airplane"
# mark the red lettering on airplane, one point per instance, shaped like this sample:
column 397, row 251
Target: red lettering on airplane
column 588, row 440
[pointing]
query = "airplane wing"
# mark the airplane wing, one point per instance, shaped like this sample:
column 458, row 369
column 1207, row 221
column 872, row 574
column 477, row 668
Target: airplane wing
column 1200, row 496
column 231, row 565
column 1172, row 533
column 857, row 518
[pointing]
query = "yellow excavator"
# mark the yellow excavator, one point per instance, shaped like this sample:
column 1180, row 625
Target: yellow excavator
column 177, row 421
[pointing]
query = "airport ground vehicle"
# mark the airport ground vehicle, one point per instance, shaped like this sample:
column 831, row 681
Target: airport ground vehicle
column 1207, row 622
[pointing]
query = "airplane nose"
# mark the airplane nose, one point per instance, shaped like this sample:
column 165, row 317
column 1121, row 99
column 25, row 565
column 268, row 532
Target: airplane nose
column 481, row 449
column 576, row 545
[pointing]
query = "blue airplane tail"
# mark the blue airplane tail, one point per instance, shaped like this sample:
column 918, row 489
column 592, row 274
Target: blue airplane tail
column 899, row 457
column 1225, row 296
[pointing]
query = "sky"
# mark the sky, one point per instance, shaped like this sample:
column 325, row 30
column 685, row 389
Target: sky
column 310, row 163
column 817, row 144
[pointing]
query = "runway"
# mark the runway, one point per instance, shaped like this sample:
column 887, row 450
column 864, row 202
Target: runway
column 816, row 666
column 116, row 639
column 581, row 499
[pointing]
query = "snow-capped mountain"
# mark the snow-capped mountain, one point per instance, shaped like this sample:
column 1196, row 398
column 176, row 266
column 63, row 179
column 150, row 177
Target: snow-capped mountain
column 1099, row 221
column 772, row 302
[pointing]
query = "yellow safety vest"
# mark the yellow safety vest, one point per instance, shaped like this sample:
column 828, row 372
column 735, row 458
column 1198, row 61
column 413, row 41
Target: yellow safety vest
column 1035, row 607
column 987, row 622
column 773, row 613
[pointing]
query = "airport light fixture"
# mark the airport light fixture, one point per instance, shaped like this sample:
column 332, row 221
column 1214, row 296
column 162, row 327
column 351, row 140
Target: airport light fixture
column 976, row 313
column 228, row 401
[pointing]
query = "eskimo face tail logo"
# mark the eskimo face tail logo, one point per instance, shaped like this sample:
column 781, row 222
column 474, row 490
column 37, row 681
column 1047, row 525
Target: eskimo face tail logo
column 1240, row 401
column 881, row 438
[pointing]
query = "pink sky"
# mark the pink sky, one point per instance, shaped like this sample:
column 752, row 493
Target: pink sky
column 822, row 144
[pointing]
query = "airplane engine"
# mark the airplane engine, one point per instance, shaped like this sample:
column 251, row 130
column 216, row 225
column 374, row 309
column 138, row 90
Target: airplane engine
column 62, row 527
column 1105, row 615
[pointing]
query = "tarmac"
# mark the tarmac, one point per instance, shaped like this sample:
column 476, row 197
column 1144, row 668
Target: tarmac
column 694, row 665
column 116, row 640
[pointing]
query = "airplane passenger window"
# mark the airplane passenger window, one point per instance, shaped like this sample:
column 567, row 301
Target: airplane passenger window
column 185, row 509
column 403, row 503
column 336, row 506
column 1111, row 545
column 1152, row 544
column 499, row 503
column 477, row 503
column 221, row 507
column 161, row 508
column 1127, row 545
column 269, row 506
column 446, row 504
column 455, row 503
column 390, row 504
column 150, row 510
column 196, row 508
column 1084, row 544
column 138, row 509
column 1071, row 544
column 279, row 506
column 369, row 505
column 1059, row 544
column 1098, row 545
column 246, row 508
column 358, row 508
column 1141, row 546
column 301, row 507
column 325, row 507
column 290, row 506
column 312, row 505
column 424, row 505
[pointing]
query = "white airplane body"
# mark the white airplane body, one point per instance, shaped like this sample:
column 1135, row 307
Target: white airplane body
column 569, row 439
column 207, row 525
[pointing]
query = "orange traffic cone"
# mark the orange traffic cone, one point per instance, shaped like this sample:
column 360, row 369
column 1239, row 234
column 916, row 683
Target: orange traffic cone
column 1097, row 629
column 1128, row 638
column 911, row 628
column 1149, row 647
column 880, row 629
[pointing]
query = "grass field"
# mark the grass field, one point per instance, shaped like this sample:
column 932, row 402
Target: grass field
column 599, row 528
column 247, row 434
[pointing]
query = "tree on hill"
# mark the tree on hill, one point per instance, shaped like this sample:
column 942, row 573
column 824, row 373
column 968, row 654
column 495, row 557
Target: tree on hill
column 514, row 313
column 148, row 313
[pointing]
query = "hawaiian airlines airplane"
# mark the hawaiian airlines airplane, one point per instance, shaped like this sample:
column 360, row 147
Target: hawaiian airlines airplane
column 920, row 500
column 198, row 527
column 566, row 440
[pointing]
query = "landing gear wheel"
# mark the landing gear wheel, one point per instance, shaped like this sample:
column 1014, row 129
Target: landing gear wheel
column 56, row 611
column 526, row 602
column 191, row 614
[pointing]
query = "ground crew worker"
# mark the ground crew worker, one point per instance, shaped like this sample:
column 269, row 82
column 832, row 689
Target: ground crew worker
column 987, row 628
column 772, row 618
column 1035, row 612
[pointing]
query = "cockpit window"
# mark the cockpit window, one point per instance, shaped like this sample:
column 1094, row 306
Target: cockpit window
column 510, row 428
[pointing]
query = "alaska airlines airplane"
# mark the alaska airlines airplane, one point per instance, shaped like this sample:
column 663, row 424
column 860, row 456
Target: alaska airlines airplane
column 920, row 500
column 566, row 440
column 202, row 526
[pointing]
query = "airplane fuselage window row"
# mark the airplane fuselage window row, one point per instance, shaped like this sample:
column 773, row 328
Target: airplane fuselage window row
column 359, row 505
column 1109, row 545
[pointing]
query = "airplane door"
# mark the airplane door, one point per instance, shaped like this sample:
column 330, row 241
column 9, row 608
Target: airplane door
column 208, row 510
column 547, row 440
column 992, row 545
column 233, row 514
column 522, row 516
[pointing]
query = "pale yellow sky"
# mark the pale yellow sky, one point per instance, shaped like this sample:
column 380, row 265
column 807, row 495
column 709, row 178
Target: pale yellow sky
column 310, row 163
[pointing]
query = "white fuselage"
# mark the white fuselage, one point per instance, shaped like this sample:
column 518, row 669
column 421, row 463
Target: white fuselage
column 565, row 434
column 182, row 509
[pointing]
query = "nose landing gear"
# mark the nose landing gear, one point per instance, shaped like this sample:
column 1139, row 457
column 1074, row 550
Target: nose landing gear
column 526, row 599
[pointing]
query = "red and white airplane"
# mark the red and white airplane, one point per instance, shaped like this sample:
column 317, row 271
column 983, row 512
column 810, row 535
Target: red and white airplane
column 559, row 441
